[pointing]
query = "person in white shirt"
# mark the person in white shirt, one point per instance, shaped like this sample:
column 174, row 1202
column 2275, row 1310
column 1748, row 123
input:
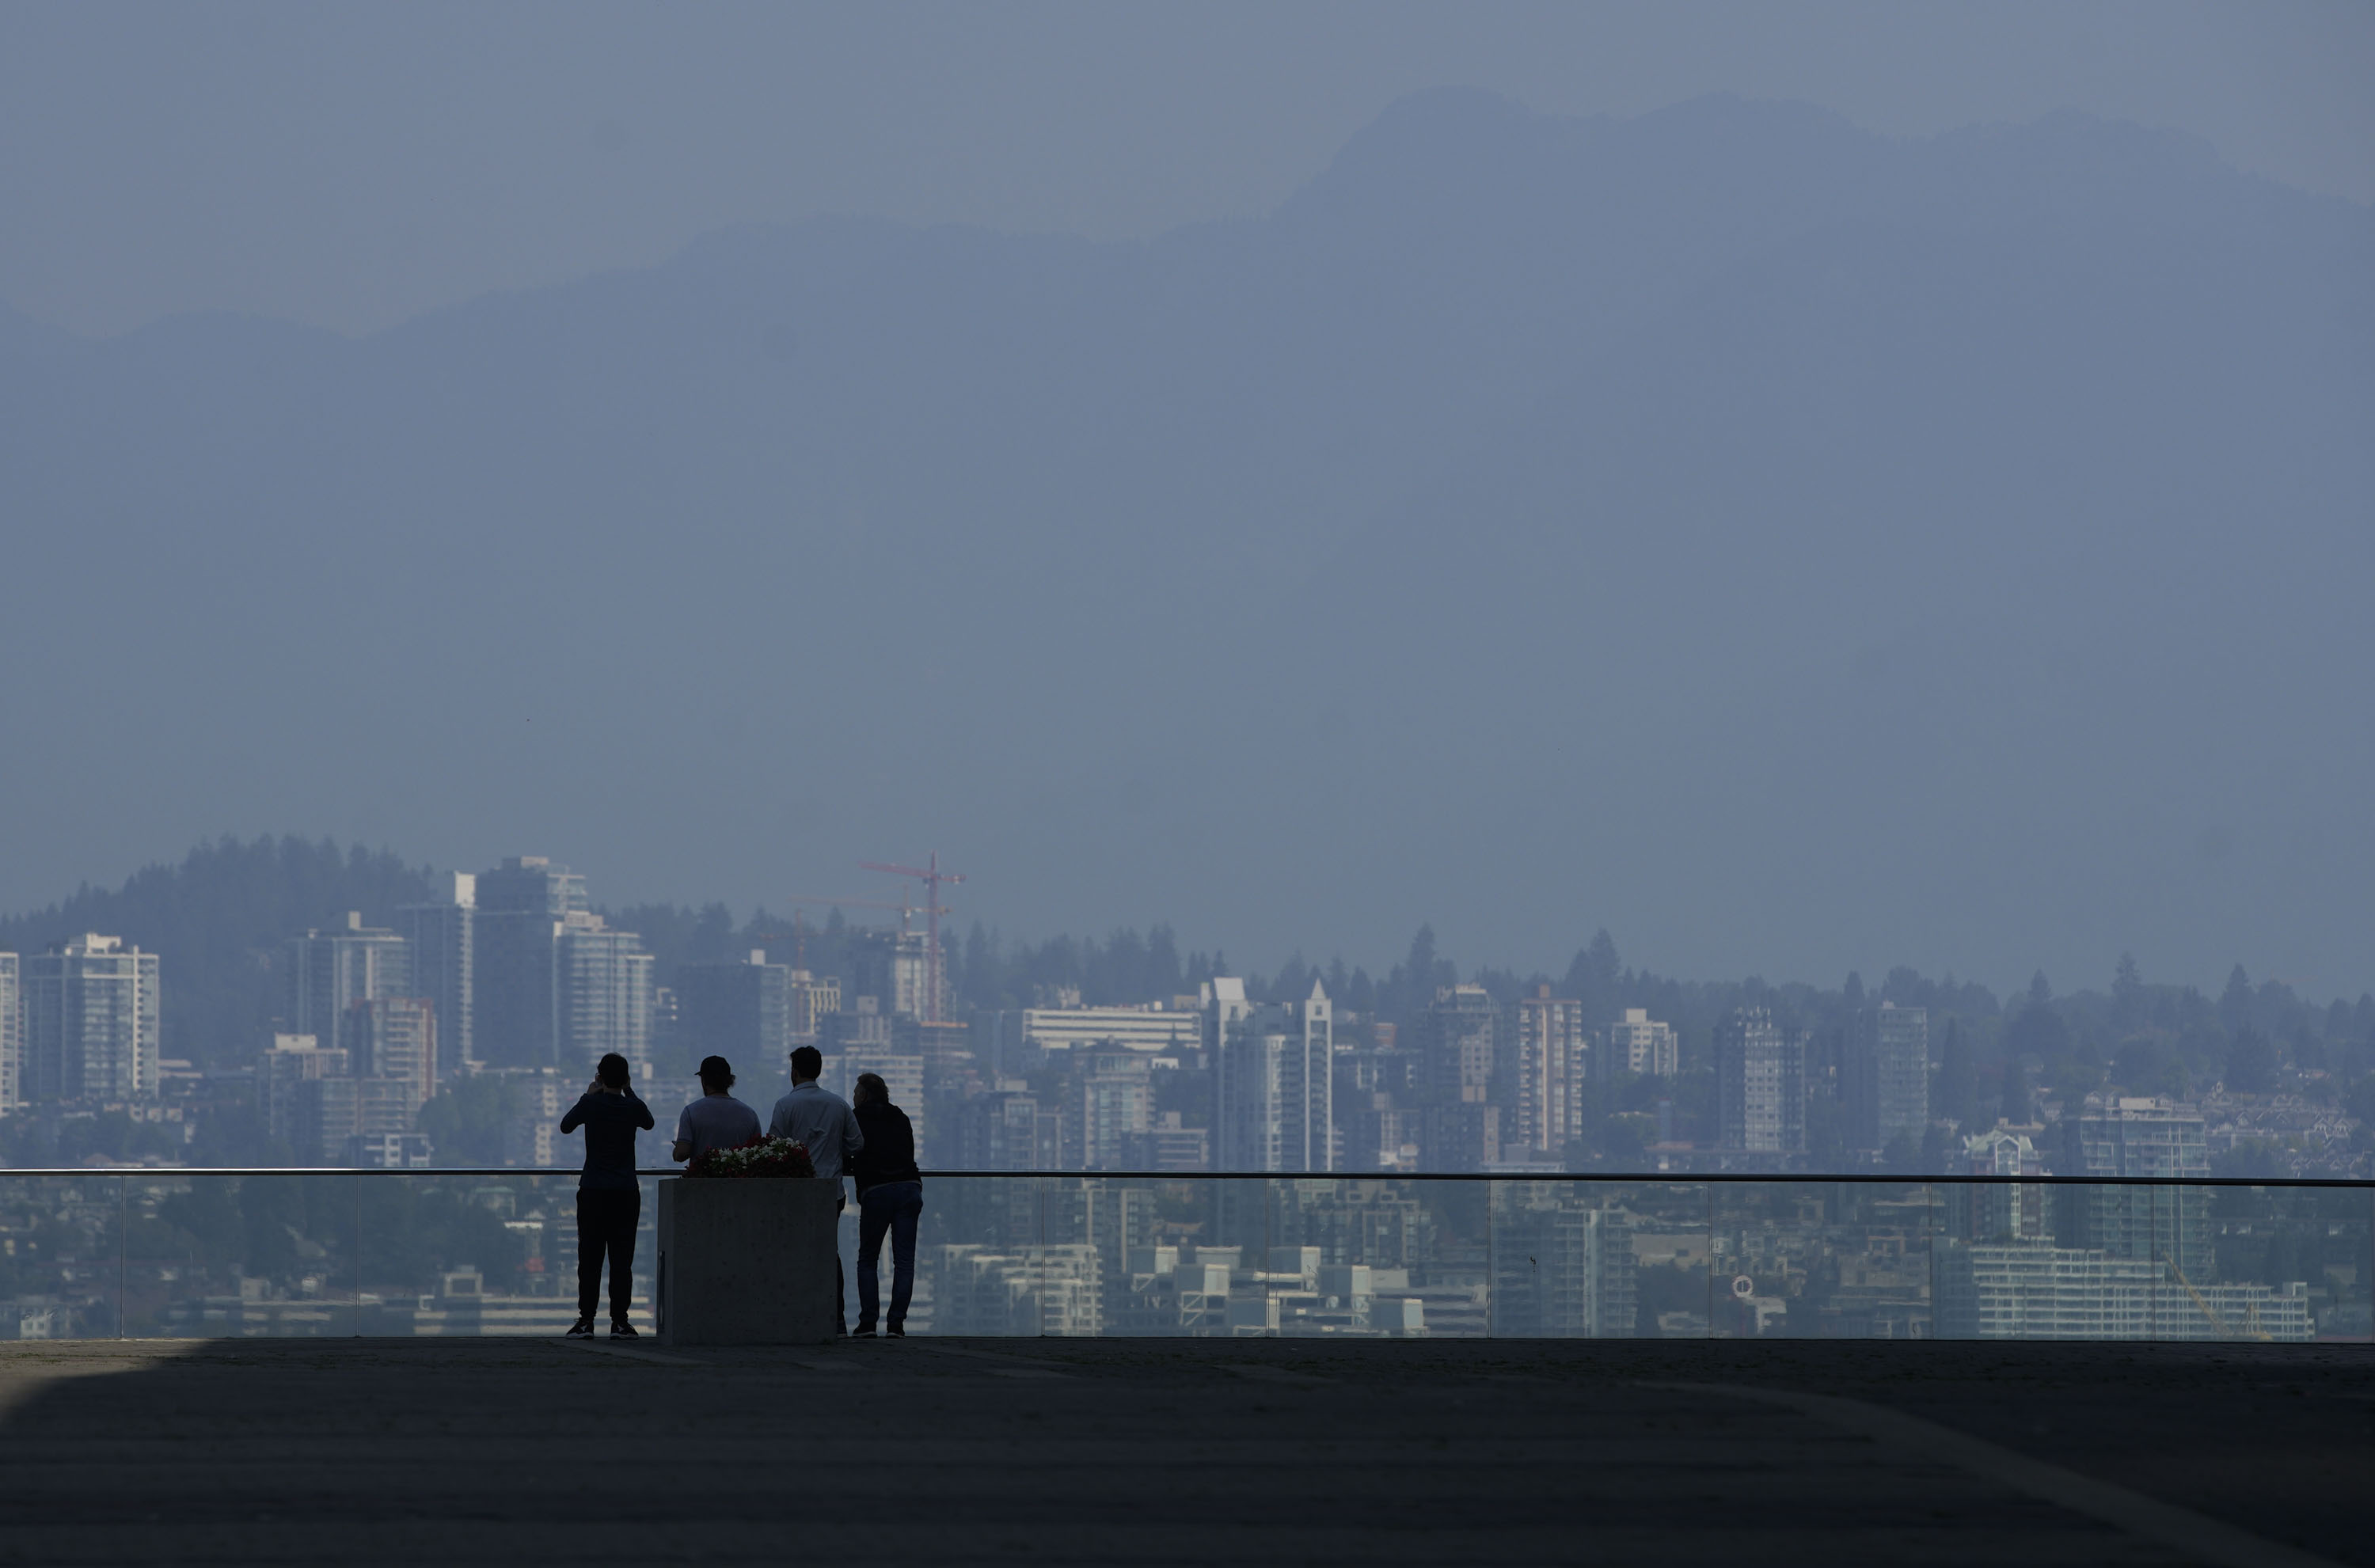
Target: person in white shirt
column 716, row 1120
column 825, row 1124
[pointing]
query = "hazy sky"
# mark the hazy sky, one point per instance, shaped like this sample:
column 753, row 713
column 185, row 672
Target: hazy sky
column 351, row 166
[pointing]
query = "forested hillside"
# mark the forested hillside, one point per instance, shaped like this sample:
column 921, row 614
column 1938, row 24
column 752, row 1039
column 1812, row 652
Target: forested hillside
column 217, row 921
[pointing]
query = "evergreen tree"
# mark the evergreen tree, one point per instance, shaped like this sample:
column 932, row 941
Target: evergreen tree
column 2019, row 1105
column 2235, row 1002
column 1955, row 1091
column 2127, row 994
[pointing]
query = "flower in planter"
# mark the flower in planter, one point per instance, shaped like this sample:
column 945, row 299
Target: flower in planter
column 760, row 1157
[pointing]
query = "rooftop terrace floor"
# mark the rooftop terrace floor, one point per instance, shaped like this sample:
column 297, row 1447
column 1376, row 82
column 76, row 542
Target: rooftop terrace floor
column 944, row 1450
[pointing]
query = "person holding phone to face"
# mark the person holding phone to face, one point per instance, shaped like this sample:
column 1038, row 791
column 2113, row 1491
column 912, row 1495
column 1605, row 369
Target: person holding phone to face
column 609, row 1199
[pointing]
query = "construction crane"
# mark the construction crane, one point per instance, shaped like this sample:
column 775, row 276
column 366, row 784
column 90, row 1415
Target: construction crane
column 2251, row 1329
column 931, row 876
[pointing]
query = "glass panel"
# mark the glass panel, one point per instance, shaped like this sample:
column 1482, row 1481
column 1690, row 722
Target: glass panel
column 1821, row 1260
column 196, row 1253
column 1564, row 1263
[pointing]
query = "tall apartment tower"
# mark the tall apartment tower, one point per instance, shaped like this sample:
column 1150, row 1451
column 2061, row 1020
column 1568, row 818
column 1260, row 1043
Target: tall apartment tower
column 394, row 1039
column 1552, row 1048
column 1887, row 1075
column 1760, row 1084
column 521, row 1017
column 604, row 992
column 2132, row 1137
column 12, row 1033
column 1460, row 1056
column 743, row 1012
column 330, row 972
column 1637, row 1043
column 440, row 935
column 1273, row 1085
column 90, row 1021
column 894, row 968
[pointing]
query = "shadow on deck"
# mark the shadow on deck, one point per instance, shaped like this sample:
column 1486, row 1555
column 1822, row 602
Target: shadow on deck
column 512, row 1451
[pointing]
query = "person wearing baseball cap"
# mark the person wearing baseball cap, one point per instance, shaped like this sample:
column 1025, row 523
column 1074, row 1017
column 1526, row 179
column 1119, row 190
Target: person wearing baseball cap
column 716, row 1120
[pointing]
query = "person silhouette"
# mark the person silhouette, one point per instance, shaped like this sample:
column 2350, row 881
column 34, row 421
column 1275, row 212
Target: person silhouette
column 890, row 1200
column 609, row 1199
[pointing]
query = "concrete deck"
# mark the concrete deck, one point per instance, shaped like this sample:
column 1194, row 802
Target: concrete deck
column 1205, row 1452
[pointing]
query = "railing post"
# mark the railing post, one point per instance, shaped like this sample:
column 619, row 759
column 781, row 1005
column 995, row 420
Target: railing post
column 1710, row 1262
column 1930, row 1245
column 121, row 1280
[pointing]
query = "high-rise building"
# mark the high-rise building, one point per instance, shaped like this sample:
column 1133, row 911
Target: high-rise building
column 1565, row 1264
column 894, row 968
column 604, row 994
column 740, row 1011
column 1459, row 1044
column 12, row 1033
column 1886, row 1086
column 1166, row 1145
column 1273, row 1090
column 331, row 970
column 293, row 1113
column 1466, row 1080
column 514, row 945
column 1760, row 1084
column 1379, row 1123
column 814, row 998
column 530, row 884
column 2010, row 1211
column 552, row 984
column 1117, row 1099
column 90, row 1021
column 2131, row 1137
column 1637, row 1043
column 532, row 1136
column 440, row 936
column 1552, row 1051
column 1006, row 1130
column 392, row 1041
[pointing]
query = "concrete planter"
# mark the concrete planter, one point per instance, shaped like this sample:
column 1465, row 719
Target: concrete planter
column 746, row 1260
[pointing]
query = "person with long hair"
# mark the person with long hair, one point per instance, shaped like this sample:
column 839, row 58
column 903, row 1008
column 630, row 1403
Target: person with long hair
column 889, row 1200
column 609, row 1199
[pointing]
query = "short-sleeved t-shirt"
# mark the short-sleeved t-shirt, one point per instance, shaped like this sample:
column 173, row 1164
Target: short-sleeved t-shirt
column 716, row 1121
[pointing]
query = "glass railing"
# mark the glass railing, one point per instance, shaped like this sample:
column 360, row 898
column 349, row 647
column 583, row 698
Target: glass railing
column 196, row 1253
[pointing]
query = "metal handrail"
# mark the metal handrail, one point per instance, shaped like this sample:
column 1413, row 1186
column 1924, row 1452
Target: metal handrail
column 1652, row 1178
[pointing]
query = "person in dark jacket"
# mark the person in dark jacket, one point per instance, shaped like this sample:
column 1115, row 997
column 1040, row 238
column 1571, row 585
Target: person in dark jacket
column 890, row 1198
column 609, row 1199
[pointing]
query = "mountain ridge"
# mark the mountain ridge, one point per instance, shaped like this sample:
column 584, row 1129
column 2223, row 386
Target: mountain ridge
column 1035, row 545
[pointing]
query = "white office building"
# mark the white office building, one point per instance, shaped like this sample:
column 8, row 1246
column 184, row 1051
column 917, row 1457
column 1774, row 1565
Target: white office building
column 1273, row 1079
column 1017, row 1039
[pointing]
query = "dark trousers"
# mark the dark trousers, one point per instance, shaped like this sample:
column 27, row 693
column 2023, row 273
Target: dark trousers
column 894, row 1208
column 606, row 1223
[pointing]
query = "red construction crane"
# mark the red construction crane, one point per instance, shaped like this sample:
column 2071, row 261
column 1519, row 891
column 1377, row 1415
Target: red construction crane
column 931, row 877
column 799, row 934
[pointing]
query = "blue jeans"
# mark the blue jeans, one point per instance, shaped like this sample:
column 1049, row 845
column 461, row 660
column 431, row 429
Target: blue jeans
column 894, row 1208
